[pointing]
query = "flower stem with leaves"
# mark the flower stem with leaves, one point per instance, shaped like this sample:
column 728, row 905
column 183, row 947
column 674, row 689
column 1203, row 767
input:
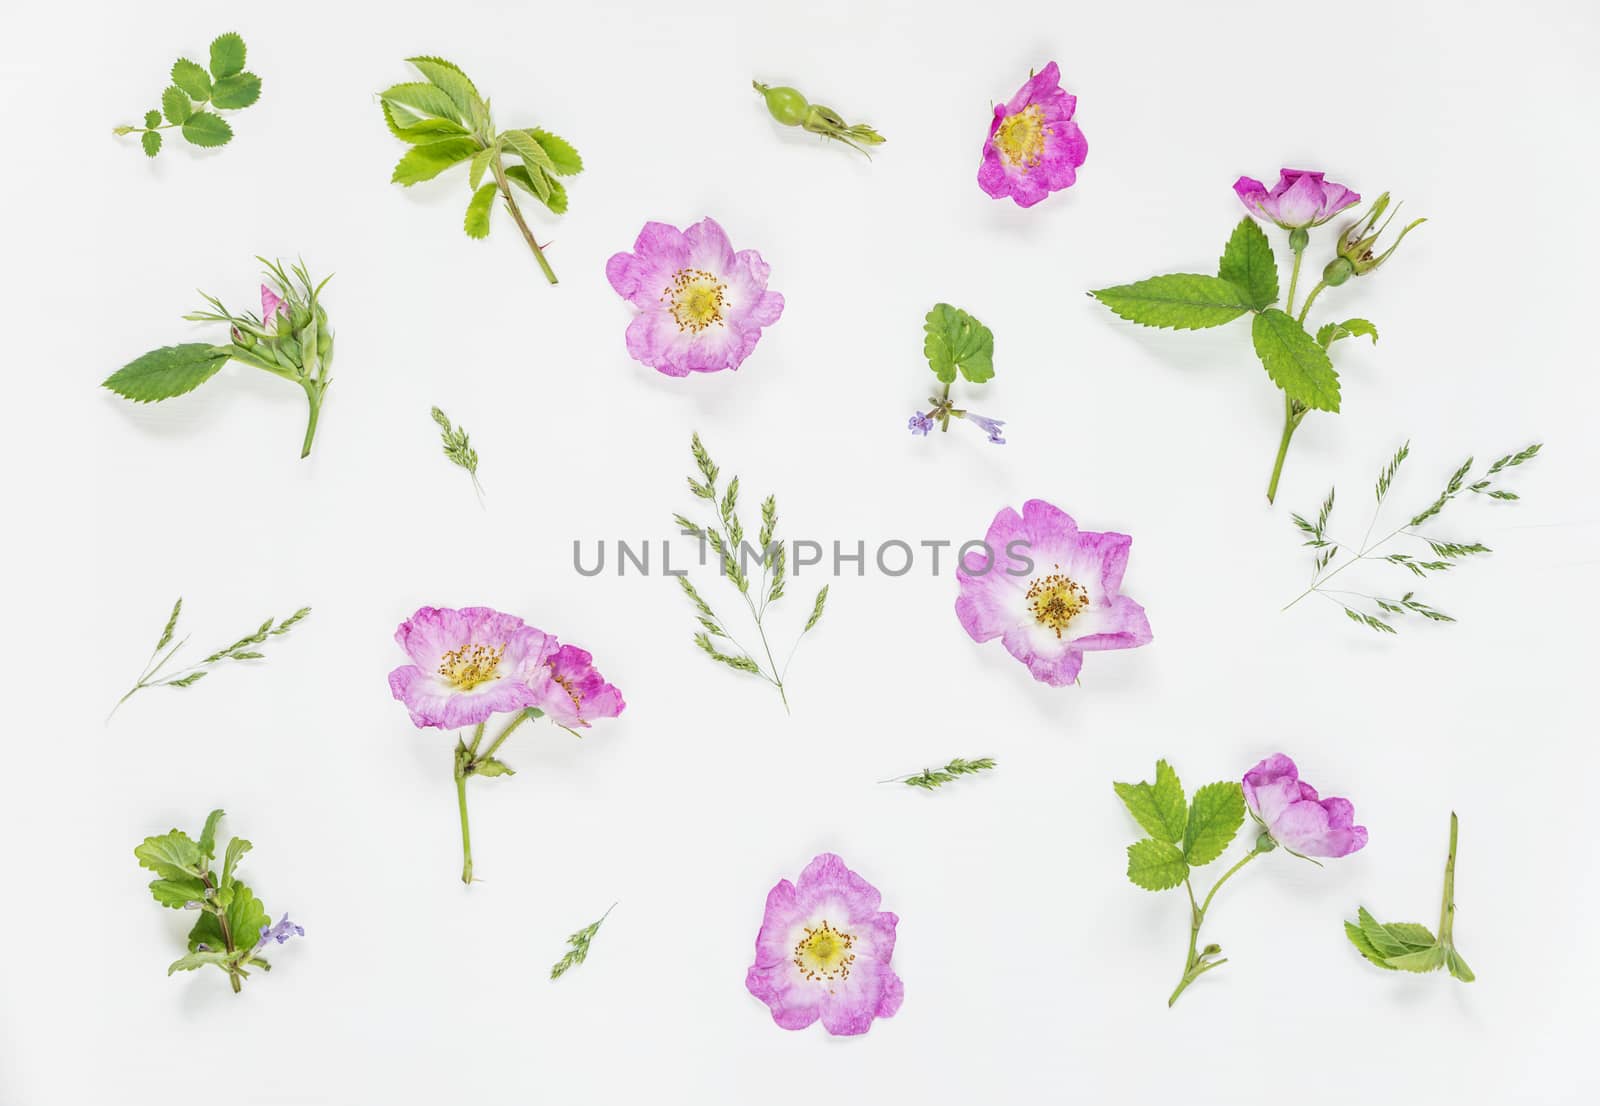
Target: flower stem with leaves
column 156, row 674
column 471, row 761
column 225, row 86
column 1408, row 946
column 725, row 536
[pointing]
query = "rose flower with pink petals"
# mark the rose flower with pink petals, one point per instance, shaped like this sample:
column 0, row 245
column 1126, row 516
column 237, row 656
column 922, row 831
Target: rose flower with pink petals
column 1034, row 148
column 1300, row 199
column 1290, row 812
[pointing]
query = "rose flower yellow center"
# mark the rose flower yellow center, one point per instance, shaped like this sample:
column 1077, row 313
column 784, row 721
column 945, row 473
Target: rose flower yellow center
column 566, row 685
column 1055, row 600
column 467, row 667
column 1021, row 137
column 824, row 953
column 695, row 298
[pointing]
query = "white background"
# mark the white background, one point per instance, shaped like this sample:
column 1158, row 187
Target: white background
column 1033, row 971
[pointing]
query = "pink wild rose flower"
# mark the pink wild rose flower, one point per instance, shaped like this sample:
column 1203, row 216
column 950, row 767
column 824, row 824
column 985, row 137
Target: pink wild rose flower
column 469, row 664
column 824, row 950
column 701, row 305
column 1067, row 603
column 1299, row 199
column 1294, row 817
column 1034, row 148
column 575, row 693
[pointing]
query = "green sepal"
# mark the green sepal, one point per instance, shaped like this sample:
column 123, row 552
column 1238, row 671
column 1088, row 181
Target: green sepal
column 490, row 766
column 1294, row 360
column 207, row 128
column 430, row 159
column 172, row 855
column 1247, row 263
column 1177, row 301
column 1457, row 966
column 175, row 105
column 1159, row 808
column 1156, row 865
column 193, row 79
column 167, row 372
column 1215, row 815
column 178, row 893
column 238, row 91
column 151, row 141
column 479, row 209
column 957, row 342
column 227, row 55
column 196, row 960
column 208, row 834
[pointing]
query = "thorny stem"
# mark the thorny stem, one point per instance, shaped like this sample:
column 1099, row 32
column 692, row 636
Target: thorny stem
column 1197, row 964
column 516, row 214
column 1447, row 909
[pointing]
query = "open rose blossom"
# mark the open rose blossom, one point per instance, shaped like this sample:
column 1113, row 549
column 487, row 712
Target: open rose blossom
column 1294, row 817
column 1034, row 148
column 576, row 692
column 468, row 665
column 702, row 306
column 824, row 951
column 1067, row 603
column 1299, row 199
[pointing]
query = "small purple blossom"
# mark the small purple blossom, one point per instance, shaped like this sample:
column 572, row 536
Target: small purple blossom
column 919, row 424
column 1295, row 817
column 1034, row 148
column 281, row 932
column 989, row 426
column 1299, row 199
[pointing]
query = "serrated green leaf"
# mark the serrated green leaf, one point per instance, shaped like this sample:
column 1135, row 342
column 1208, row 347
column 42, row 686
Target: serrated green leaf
column 1159, row 808
column 1248, row 264
column 1423, row 960
column 1364, row 946
column 227, row 55
column 450, row 80
column 522, row 144
column 1411, row 934
column 167, row 372
column 1457, row 966
column 531, row 180
column 237, row 847
column 197, row 960
column 1156, row 865
column 1385, row 943
column 207, row 128
column 152, row 118
column 957, row 342
column 1177, row 301
column 563, row 156
column 172, row 855
column 420, row 130
column 1294, row 361
column 238, row 91
column 208, row 835
column 246, row 917
column 414, row 101
column 151, row 141
column 1215, row 815
column 480, row 165
column 178, row 893
column 557, row 200
column 1350, row 328
column 193, row 79
column 430, row 159
column 479, row 208
column 175, row 105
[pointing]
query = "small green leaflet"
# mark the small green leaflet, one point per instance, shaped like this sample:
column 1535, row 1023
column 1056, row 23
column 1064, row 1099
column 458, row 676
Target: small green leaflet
column 226, row 86
column 1178, row 301
column 579, row 942
column 1350, row 328
column 1183, row 835
column 1156, row 865
column 227, row 55
column 1247, row 263
column 192, row 79
column 427, row 161
column 206, row 128
column 1159, row 808
column 1214, row 819
column 1294, row 361
column 957, row 342
column 1408, row 946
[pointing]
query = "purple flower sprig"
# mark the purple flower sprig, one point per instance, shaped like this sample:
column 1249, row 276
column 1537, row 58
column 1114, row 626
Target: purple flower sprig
column 234, row 927
column 1247, row 284
column 1188, row 834
column 956, row 343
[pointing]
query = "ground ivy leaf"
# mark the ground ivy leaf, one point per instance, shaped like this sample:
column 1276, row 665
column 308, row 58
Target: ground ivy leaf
column 238, row 91
column 1177, row 301
column 178, row 893
column 246, row 917
column 207, row 128
column 1156, row 865
column 957, row 342
column 172, row 855
column 563, row 157
column 167, row 372
column 237, row 847
column 430, row 159
column 479, row 208
column 151, row 141
column 1215, row 816
column 1294, row 361
column 197, row 960
column 175, row 105
column 193, row 79
column 1159, row 808
column 227, row 55
column 208, row 835
column 1247, row 263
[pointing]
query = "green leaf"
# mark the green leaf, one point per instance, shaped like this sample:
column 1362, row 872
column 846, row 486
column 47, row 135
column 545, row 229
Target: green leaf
column 531, row 180
column 193, row 79
column 522, row 144
column 206, row 128
column 1294, row 361
column 450, row 80
column 178, row 893
column 227, row 55
column 167, row 372
column 1378, row 935
column 480, row 165
column 1215, row 816
column 151, row 141
column 1156, row 865
column 1159, row 808
column 1350, row 328
column 246, row 917
column 1364, row 946
column 1457, row 966
column 208, row 835
column 171, row 856
column 237, row 847
column 238, row 91
column 1248, row 264
column 479, row 208
column 415, row 101
column 557, row 201
column 175, row 105
column 429, row 160
column 1424, row 960
column 1179, row 301
column 197, row 960
column 1411, row 934
column 957, row 342
column 563, row 157
column 421, row 130
column 152, row 118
